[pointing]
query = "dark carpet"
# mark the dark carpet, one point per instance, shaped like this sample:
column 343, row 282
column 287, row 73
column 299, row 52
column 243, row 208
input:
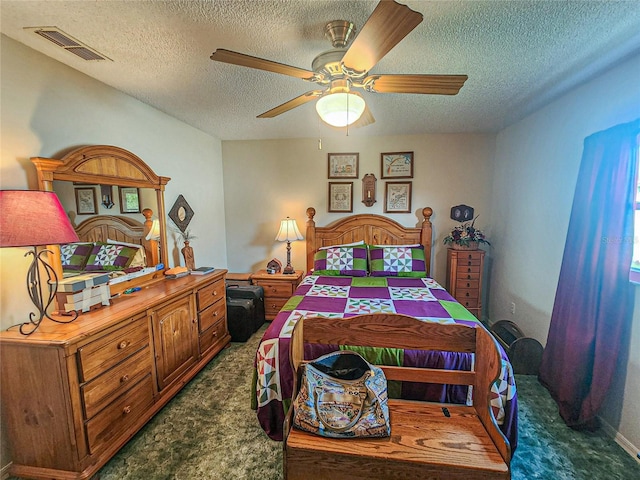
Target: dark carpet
column 208, row 431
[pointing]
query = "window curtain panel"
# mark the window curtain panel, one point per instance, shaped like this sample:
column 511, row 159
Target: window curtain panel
column 592, row 313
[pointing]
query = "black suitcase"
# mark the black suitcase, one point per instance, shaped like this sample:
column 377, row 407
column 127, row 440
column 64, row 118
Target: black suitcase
column 251, row 292
column 240, row 318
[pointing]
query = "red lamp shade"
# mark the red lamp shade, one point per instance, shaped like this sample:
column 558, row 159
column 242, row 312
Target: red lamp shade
column 30, row 218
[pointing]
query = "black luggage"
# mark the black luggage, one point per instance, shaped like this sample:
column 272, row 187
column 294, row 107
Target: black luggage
column 251, row 292
column 240, row 318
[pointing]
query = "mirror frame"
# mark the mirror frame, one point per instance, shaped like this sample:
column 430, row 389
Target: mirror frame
column 104, row 165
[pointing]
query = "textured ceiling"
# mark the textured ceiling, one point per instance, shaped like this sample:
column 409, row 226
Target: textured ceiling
column 518, row 55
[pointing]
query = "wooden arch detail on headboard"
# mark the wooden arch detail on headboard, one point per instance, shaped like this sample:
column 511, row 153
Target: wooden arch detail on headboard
column 372, row 229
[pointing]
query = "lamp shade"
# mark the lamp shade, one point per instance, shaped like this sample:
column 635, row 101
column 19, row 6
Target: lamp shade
column 154, row 233
column 30, row 218
column 340, row 109
column 288, row 231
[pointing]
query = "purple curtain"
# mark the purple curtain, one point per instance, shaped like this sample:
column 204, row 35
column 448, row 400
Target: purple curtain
column 593, row 307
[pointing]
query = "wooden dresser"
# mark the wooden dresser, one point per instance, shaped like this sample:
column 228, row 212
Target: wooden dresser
column 74, row 394
column 278, row 288
column 464, row 278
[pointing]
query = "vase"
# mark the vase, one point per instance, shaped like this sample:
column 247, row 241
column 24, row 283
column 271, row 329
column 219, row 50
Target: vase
column 187, row 253
column 470, row 246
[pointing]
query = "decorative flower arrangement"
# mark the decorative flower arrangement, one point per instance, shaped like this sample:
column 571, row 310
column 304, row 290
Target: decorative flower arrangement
column 186, row 236
column 466, row 235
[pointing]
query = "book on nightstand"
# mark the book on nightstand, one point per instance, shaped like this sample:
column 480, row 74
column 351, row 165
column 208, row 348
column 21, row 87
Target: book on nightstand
column 202, row 270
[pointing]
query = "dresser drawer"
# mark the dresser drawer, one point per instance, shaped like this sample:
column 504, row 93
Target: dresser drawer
column 273, row 305
column 462, row 283
column 98, row 356
column 467, row 269
column 115, row 381
column 211, row 315
column 123, row 412
column 213, row 335
column 472, row 258
column 278, row 289
column 210, row 294
column 469, row 302
column 467, row 293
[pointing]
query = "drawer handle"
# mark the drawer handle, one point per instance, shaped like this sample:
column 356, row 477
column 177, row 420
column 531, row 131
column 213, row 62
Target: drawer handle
column 468, row 270
column 468, row 284
column 125, row 378
column 123, row 344
column 215, row 314
column 126, row 410
column 273, row 290
column 215, row 334
column 214, row 293
column 274, row 306
column 467, row 294
column 468, row 277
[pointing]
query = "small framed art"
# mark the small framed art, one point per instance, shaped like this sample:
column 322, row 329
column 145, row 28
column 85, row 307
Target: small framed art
column 340, row 197
column 343, row 165
column 397, row 165
column 397, row 197
column 129, row 200
column 86, row 201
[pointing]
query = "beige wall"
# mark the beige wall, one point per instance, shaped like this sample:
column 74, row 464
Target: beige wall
column 537, row 162
column 48, row 108
column 266, row 181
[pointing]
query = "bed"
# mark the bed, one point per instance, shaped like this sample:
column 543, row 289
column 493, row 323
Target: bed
column 397, row 283
column 114, row 245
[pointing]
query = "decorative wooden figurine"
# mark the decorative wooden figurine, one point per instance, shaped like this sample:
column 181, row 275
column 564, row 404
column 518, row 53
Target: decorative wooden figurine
column 187, row 253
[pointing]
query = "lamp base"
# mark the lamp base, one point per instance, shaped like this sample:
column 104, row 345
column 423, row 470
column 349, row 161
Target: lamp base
column 40, row 297
column 288, row 270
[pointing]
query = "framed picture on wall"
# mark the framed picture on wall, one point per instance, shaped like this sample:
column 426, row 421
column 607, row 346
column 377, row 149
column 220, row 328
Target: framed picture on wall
column 340, row 197
column 343, row 165
column 397, row 164
column 397, row 197
column 86, row 201
column 129, row 200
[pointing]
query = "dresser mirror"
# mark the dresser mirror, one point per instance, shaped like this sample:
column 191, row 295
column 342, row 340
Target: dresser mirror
column 95, row 184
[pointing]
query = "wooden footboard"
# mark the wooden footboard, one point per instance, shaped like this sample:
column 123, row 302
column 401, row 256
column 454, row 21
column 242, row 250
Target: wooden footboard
column 428, row 440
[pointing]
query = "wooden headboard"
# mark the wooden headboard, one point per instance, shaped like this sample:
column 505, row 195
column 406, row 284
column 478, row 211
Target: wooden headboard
column 373, row 229
column 99, row 228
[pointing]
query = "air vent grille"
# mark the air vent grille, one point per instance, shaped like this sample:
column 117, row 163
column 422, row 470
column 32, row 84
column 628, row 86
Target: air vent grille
column 63, row 40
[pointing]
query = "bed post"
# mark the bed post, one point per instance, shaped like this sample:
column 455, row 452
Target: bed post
column 311, row 238
column 426, row 236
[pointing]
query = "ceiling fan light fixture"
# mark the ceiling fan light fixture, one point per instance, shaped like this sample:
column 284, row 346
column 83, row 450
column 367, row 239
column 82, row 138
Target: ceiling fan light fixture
column 340, row 109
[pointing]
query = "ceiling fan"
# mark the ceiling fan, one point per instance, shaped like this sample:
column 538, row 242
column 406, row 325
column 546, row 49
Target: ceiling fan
column 342, row 69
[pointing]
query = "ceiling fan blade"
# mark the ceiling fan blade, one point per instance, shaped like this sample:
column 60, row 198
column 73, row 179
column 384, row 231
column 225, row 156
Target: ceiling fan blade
column 291, row 104
column 235, row 58
column 389, row 23
column 429, row 84
column 365, row 119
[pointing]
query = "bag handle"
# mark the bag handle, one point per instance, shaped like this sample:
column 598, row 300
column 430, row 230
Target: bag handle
column 354, row 420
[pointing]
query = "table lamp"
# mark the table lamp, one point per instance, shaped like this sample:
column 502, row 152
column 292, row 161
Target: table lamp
column 288, row 232
column 30, row 218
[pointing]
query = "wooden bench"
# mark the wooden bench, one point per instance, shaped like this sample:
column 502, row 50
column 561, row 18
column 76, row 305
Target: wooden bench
column 425, row 442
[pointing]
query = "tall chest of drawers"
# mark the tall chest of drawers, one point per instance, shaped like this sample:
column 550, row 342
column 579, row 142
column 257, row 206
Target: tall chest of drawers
column 464, row 278
column 74, row 394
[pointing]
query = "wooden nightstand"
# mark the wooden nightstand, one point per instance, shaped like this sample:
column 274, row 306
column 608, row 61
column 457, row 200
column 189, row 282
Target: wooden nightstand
column 464, row 278
column 278, row 288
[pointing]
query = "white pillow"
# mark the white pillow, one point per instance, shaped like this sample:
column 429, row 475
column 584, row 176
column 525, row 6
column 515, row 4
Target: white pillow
column 354, row 244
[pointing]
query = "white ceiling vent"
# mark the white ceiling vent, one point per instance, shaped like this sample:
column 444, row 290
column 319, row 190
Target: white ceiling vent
column 66, row 41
